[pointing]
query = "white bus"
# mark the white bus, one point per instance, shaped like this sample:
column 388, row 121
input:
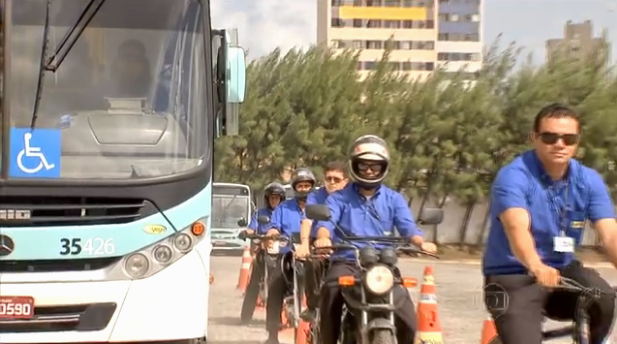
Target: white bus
column 106, row 197
column 231, row 213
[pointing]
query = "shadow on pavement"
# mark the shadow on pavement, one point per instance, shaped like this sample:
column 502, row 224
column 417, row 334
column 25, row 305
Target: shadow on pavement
column 235, row 321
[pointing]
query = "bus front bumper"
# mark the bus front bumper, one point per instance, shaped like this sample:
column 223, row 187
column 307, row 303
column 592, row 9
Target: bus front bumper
column 171, row 305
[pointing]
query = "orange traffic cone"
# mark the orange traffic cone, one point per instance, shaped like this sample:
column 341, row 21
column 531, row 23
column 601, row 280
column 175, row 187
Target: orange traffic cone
column 245, row 269
column 302, row 335
column 429, row 326
column 488, row 331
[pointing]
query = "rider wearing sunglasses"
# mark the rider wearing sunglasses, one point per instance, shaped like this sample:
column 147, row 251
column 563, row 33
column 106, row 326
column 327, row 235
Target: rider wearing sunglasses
column 365, row 207
column 335, row 178
column 540, row 203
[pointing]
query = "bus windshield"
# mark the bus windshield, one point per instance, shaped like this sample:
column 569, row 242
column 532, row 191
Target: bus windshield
column 230, row 204
column 130, row 97
column 228, row 210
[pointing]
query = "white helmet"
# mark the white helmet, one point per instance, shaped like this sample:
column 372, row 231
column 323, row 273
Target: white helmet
column 366, row 149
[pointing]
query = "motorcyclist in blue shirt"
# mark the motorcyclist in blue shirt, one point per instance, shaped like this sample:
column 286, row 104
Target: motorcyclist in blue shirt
column 365, row 207
column 286, row 221
column 274, row 194
column 334, row 179
column 540, row 203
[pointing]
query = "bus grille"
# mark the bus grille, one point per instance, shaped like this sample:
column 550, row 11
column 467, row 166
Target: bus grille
column 89, row 317
column 29, row 211
column 58, row 265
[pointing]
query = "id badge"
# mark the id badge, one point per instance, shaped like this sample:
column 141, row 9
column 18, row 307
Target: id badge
column 563, row 244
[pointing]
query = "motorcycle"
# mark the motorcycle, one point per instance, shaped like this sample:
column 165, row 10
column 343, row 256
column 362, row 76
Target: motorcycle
column 262, row 267
column 370, row 298
column 293, row 271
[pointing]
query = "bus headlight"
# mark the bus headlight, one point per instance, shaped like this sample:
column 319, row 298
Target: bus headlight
column 379, row 279
column 162, row 254
column 156, row 257
column 183, row 242
column 136, row 265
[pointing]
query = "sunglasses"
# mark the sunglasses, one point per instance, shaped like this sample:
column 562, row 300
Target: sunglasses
column 549, row 138
column 333, row 180
column 373, row 167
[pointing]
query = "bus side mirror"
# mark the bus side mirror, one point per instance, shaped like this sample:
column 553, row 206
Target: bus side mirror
column 235, row 88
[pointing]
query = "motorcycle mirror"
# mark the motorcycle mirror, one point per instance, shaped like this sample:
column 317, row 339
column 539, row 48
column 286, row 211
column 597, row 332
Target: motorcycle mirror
column 431, row 216
column 263, row 219
column 319, row 212
column 242, row 222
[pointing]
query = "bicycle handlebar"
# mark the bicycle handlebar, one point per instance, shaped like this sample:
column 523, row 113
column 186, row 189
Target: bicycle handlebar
column 574, row 286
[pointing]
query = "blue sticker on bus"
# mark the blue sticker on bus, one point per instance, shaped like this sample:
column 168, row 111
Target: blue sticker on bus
column 35, row 153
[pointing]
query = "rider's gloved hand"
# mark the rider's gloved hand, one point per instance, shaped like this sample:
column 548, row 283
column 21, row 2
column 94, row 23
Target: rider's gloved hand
column 245, row 233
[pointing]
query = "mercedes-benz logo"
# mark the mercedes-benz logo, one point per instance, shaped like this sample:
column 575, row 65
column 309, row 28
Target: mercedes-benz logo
column 7, row 245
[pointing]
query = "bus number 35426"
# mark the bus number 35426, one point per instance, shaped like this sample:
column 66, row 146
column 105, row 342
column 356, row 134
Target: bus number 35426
column 95, row 246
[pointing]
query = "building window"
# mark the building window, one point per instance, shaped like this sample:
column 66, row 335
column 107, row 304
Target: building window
column 454, row 17
column 374, row 45
column 358, row 23
column 356, row 44
column 337, row 22
column 392, row 24
column 369, row 65
column 392, row 3
column 430, row 24
column 474, row 37
column 476, row 57
column 475, row 18
column 337, row 44
column 405, row 45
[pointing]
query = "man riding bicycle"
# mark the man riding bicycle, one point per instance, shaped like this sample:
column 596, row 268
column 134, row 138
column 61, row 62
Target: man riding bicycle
column 365, row 207
column 274, row 194
column 335, row 178
column 286, row 220
column 539, row 205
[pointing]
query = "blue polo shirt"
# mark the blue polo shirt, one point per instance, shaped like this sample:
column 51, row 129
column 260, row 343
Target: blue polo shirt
column 377, row 216
column 287, row 218
column 256, row 226
column 581, row 195
column 317, row 197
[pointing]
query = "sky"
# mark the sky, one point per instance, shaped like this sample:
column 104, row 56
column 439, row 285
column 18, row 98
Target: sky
column 264, row 25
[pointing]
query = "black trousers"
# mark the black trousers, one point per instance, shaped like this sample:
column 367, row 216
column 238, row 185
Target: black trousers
column 331, row 307
column 281, row 285
column 314, row 270
column 519, row 305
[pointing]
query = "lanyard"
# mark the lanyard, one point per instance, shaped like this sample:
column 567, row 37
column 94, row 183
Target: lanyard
column 563, row 211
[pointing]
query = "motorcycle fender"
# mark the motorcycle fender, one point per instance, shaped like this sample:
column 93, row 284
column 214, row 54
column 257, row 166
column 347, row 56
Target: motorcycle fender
column 380, row 323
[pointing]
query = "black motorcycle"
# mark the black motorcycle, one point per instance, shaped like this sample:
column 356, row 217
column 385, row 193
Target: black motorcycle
column 370, row 301
column 265, row 260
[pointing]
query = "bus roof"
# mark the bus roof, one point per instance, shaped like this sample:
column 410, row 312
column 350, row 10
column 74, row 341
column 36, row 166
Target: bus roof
column 230, row 184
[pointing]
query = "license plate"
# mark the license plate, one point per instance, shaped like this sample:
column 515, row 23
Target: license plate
column 16, row 307
column 220, row 243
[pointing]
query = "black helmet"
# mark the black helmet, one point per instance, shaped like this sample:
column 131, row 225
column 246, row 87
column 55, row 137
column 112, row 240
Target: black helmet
column 274, row 189
column 369, row 148
column 302, row 174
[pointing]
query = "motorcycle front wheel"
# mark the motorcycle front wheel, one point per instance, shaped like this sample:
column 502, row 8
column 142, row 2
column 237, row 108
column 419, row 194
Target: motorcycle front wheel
column 382, row 336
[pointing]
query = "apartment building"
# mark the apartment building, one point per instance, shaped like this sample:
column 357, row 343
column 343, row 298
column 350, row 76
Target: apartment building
column 578, row 40
column 423, row 34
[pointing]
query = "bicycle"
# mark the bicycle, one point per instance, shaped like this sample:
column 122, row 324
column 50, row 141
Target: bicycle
column 579, row 330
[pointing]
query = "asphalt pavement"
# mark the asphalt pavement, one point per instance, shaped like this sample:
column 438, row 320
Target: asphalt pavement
column 459, row 297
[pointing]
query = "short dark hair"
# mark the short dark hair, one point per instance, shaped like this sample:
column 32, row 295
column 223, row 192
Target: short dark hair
column 338, row 166
column 555, row 110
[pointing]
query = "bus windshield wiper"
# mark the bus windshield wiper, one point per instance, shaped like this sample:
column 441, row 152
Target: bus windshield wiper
column 52, row 63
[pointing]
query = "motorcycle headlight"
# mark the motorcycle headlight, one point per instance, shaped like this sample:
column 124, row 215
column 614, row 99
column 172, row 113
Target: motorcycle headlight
column 379, row 279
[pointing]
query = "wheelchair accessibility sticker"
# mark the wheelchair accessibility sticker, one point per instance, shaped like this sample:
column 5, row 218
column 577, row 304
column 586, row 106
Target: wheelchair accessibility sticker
column 35, row 153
